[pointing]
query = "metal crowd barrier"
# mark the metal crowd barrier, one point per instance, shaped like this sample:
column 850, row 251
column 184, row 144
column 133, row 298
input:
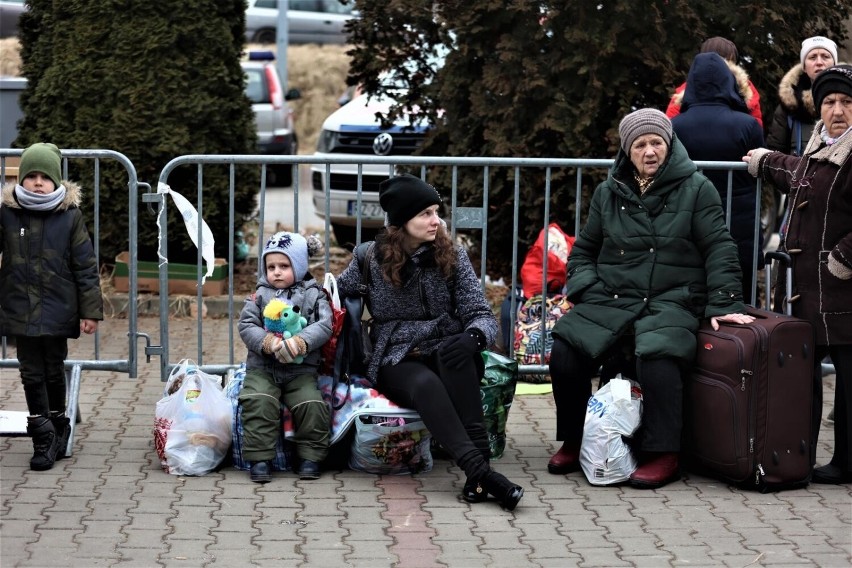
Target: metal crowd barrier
column 74, row 368
column 459, row 218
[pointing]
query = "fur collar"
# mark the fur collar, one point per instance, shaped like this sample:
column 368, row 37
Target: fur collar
column 743, row 85
column 73, row 196
column 794, row 93
column 837, row 153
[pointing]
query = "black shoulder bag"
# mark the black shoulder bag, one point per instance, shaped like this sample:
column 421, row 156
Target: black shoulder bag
column 354, row 347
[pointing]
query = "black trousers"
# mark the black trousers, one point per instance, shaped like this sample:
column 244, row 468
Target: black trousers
column 42, row 361
column 841, row 356
column 571, row 372
column 448, row 401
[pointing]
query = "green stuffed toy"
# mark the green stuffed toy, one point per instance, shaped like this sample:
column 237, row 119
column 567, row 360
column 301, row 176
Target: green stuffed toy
column 283, row 320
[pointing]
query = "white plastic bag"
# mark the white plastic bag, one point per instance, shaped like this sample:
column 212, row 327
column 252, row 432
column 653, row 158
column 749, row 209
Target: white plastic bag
column 392, row 444
column 192, row 426
column 329, row 283
column 613, row 412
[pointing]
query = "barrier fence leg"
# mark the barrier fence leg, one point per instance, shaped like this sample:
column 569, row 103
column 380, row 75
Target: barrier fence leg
column 72, row 409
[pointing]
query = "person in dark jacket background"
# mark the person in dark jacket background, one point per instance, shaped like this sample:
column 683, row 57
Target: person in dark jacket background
column 653, row 259
column 746, row 89
column 819, row 242
column 49, row 290
column 431, row 322
column 713, row 127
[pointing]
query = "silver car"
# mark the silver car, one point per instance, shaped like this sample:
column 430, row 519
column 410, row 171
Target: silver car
column 308, row 21
column 273, row 116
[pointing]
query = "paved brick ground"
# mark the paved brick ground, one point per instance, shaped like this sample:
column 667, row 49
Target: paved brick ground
column 111, row 505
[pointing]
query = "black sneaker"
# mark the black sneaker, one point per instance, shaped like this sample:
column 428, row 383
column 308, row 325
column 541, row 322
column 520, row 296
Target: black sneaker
column 309, row 470
column 261, row 472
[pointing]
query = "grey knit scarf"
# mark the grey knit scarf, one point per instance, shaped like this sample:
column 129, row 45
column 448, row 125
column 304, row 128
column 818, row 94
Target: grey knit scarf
column 38, row 201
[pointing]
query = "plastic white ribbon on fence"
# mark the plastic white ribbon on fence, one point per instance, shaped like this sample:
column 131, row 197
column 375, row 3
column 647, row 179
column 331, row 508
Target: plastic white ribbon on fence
column 190, row 219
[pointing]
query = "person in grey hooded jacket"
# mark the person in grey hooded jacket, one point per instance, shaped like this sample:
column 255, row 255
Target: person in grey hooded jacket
column 284, row 366
column 431, row 323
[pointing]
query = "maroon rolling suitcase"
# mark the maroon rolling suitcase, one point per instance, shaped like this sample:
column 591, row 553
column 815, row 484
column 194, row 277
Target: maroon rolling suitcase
column 748, row 403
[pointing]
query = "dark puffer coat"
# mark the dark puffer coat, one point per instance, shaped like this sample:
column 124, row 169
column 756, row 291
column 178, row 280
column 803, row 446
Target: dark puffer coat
column 653, row 265
column 713, row 127
column 424, row 311
column 49, row 274
column 819, row 231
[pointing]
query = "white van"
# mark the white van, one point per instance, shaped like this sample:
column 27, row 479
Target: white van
column 353, row 130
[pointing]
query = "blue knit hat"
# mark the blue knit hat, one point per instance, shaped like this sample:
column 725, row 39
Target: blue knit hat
column 297, row 248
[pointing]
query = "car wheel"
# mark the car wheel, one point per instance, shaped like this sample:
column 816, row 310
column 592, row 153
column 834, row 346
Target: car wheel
column 265, row 35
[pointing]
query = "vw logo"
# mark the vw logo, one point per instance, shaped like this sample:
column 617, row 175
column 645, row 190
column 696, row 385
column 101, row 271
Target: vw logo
column 382, row 144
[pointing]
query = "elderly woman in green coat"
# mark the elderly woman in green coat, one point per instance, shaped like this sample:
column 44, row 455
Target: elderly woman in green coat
column 653, row 259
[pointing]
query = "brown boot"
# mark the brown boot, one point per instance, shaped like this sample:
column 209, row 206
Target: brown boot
column 566, row 460
column 655, row 470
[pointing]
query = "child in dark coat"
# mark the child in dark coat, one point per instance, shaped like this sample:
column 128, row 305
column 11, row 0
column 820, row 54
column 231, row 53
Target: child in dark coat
column 49, row 290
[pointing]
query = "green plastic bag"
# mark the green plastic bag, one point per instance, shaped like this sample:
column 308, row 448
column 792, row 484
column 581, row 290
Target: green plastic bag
column 498, row 392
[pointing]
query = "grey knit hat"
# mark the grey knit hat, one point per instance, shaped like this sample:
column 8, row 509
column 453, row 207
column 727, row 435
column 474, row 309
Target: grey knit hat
column 42, row 157
column 297, row 248
column 644, row 121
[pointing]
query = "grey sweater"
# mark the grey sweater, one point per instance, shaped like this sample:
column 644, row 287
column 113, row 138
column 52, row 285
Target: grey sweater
column 424, row 311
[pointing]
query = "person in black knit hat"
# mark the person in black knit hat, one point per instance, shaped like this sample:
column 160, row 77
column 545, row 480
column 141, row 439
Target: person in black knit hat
column 431, row 323
column 819, row 241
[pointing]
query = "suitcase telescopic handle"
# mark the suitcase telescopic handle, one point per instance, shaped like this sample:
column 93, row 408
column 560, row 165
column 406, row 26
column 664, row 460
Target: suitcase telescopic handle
column 787, row 263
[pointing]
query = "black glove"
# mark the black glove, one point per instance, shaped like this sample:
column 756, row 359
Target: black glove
column 458, row 348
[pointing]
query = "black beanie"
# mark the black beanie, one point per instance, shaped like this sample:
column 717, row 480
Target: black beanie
column 403, row 197
column 837, row 79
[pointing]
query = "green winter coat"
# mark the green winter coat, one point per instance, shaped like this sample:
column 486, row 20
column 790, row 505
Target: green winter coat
column 49, row 274
column 651, row 265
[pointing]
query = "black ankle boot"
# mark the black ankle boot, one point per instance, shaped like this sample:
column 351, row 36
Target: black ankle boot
column 40, row 429
column 62, row 427
column 506, row 492
column 474, row 492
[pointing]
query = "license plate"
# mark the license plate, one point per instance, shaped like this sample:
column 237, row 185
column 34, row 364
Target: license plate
column 369, row 209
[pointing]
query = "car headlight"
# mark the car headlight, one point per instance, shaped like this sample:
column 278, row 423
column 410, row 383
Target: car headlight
column 327, row 141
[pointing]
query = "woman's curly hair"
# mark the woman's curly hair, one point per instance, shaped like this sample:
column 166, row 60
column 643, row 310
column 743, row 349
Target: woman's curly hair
column 393, row 255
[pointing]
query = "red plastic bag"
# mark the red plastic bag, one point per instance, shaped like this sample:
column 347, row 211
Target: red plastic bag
column 559, row 244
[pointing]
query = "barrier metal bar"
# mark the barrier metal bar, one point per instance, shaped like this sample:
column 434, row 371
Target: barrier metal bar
column 461, row 217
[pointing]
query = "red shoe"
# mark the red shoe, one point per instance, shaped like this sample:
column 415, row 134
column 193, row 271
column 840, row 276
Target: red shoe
column 566, row 460
column 657, row 469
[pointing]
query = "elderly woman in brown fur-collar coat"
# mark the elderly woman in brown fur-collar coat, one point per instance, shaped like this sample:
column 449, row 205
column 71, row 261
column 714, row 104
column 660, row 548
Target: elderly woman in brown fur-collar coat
column 819, row 241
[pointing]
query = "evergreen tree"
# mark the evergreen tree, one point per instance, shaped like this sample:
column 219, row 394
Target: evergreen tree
column 553, row 78
column 153, row 81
